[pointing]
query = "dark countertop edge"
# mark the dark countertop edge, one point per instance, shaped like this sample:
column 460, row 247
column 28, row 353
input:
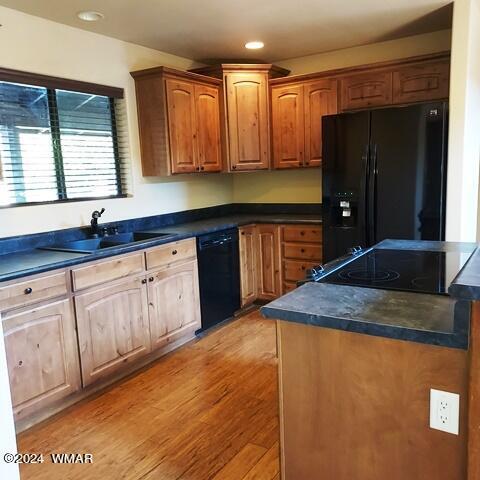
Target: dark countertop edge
column 466, row 285
column 458, row 340
column 102, row 254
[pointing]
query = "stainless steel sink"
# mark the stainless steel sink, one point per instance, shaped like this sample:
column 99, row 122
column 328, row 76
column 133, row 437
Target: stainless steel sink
column 90, row 245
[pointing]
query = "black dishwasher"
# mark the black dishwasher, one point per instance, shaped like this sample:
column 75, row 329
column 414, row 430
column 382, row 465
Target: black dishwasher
column 219, row 275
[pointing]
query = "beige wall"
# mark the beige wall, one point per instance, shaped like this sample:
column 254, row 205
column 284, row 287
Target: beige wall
column 378, row 52
column 464, row 138
column 36, row 45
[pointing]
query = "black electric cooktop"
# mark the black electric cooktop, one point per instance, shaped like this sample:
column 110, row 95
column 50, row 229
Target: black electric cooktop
column 408, row 270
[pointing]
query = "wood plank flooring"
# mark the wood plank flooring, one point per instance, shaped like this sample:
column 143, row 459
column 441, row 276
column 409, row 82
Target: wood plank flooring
column 208, row 411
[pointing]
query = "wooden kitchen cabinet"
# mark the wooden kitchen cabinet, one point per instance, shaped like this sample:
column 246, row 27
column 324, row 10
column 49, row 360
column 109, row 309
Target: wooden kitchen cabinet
column 365, row 90
column 248, row 264
column 297, row 111
column 421, row 82
column 181, row 125
column 113, row 327
column 268, row 261
column 42, row 356
column 288, row 126
column 174, row 303
column 246, row 108
column 179, row 122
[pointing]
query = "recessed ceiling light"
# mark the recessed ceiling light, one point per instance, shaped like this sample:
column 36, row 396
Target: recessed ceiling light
column 90, row 16
column 254, row 45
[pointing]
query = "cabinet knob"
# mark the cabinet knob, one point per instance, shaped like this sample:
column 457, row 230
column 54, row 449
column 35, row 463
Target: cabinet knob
column 234, row 167
column 202, row 168
column 302, row 250
column 151, row 279
column 20, row 363
column 307, row 163
column 303, row 267
column 28, row 291
column 302, row 233
column 174, row 252
column 144, row 280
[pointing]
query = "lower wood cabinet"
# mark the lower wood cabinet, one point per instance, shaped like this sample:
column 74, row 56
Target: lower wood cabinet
column 113, row 328
column 268, row 262
column 248, row 264
column 273, row 257
column 174, row 303
column 42, row 356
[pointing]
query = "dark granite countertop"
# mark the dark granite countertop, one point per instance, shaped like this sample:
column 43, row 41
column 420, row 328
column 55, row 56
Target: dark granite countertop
column 431, row 319
column 17, row 264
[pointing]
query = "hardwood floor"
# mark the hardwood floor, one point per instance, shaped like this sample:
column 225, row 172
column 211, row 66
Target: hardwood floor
column 208, row 411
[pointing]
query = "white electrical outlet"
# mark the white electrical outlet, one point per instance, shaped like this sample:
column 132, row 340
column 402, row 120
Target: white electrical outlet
column 444, row 411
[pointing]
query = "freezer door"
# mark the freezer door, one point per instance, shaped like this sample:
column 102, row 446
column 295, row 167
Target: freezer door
column 407, row 191
column 344, row 180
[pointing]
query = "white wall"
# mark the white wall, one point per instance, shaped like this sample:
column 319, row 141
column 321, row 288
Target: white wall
column 464, row 134
column 41, row 46
column 8, row 471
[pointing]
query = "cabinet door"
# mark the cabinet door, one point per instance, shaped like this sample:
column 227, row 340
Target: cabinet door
column 181, row 125
column 248, row 264
column 320, row 100
column 207, row 107
column 248, row 121
column 174, row 303
column 112, row 328
column 268, row 262
column 366, row 90
column 288, row 126
column 42, row 356
column 421, row 83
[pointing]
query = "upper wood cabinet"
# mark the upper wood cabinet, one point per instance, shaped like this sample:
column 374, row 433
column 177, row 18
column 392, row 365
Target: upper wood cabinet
column 320, row 100
column 113, row 327
column 421, row 82
column 297, row 112
column 246, row 110
column 364, row 90
column 42, row 356
column 288, row 126
column 179, row 122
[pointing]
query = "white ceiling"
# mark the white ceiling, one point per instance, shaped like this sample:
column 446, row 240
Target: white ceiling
column 218, row 29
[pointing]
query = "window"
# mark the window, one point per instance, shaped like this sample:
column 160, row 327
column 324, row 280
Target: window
column 60, row 144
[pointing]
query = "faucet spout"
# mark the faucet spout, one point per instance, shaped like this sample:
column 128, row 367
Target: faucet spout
column 94, row 221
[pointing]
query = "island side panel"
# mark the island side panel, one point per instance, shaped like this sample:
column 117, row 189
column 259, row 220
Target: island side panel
column 355, row 406
column 474, row 396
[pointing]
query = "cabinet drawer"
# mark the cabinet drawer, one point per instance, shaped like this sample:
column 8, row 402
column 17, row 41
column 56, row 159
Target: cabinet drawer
column 31, row 291
column 296, row 270
column 302, row 233
column 302, row 251
column 102, row 272
column 165, row 255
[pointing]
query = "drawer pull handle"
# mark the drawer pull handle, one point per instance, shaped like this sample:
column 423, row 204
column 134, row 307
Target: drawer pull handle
column 174, row 252
column 150, row 279
column 28, row 291
column 144, row 280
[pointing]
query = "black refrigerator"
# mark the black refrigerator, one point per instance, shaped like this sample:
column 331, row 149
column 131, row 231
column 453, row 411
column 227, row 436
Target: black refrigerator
column 384, row 176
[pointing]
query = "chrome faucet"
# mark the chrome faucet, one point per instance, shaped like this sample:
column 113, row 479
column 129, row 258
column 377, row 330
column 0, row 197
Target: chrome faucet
column 94, row 221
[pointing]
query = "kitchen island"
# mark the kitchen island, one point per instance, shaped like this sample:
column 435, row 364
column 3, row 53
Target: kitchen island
column 356, row 366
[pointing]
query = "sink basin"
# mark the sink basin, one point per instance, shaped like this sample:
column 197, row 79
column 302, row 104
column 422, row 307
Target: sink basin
column 90, row 245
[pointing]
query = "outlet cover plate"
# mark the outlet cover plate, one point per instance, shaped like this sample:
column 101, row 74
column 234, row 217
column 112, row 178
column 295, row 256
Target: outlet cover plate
column 444, row 411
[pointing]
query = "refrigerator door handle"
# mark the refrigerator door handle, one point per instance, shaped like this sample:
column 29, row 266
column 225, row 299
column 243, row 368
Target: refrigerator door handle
column 372, row 194
column 365, row 186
